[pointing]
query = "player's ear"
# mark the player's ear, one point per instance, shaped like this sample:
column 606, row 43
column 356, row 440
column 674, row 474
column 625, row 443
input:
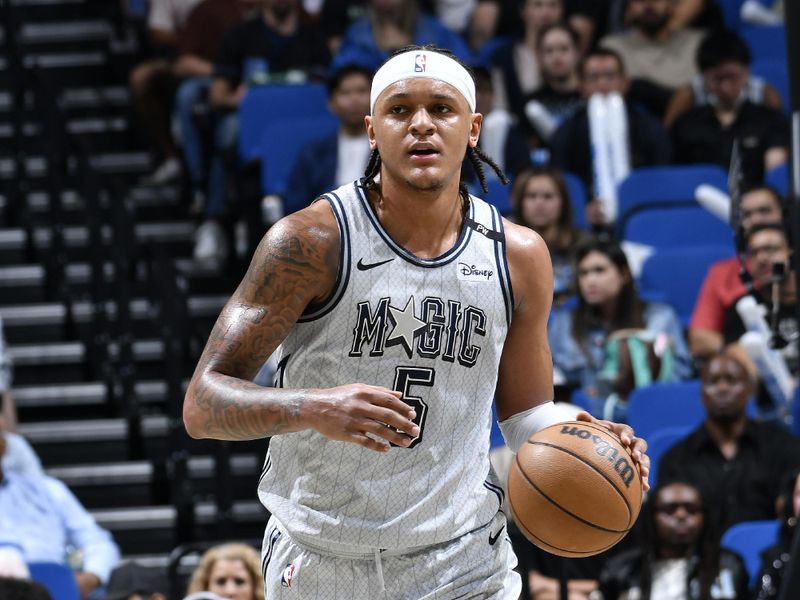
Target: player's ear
column 475, row 129
column 370, row 132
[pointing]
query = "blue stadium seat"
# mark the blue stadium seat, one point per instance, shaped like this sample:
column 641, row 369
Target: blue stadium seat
column 499, row 195
column 662, row 405
column 765, row 41
column 649, row 186
column 281, row 143
column 674, row 275
column 750, row 539
column 659, row 442
column 731, row 13
column 778, row 177
column 266, row 103
column 577, row 198
column 672, row 226
column 775, row 72
column 58, row 579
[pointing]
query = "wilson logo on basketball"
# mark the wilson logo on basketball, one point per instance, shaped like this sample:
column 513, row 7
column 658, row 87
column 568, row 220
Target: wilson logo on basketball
column 603, row 448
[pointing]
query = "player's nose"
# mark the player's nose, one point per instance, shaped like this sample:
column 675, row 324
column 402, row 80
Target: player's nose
column 421, row 122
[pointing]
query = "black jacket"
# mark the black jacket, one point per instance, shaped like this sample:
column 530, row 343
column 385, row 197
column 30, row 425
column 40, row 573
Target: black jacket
column 623, row 572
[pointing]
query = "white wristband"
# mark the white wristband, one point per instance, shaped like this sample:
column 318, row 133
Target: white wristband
column 519, row 427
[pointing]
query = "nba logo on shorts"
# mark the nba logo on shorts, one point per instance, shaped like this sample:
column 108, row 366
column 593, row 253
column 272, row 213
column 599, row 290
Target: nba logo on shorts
column 420, row 62
column 287, row 576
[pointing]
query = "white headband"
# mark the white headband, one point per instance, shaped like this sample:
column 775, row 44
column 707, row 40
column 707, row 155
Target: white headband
column 422, row 63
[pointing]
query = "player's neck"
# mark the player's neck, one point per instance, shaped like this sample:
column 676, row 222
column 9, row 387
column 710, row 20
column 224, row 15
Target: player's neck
column 426, row 223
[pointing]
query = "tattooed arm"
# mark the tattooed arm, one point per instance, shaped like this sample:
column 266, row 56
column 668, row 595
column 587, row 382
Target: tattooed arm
column 294, row 266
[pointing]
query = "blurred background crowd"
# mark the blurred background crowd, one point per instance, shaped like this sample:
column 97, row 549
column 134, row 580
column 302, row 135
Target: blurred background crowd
column 150, row 144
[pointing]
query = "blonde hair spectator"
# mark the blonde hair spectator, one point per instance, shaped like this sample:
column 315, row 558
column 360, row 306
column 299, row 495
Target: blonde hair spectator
column 203, row 578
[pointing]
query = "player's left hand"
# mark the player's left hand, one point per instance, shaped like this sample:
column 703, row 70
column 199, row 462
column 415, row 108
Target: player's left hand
column 635, row 445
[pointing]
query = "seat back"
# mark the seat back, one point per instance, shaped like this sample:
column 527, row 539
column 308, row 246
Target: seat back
column 765, row 41
column 667, row 185
column 659, row 442
column 776, row 73
column 750, row 539
column 778, row 178
column 281, row 143
column 674, row 275
column 660, row 405
column 57, row 578
column 264, row 103
column 674, row 226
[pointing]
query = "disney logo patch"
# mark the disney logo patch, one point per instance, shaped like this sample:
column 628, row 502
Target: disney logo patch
column 474, row 272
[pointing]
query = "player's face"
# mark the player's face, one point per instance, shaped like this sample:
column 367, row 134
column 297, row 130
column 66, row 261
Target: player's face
column 422, row 128
column 764, row 249
column 759, row 206
column 679, row 516
column 559, row 56
column 725, row 389
column 350, row 101
column 602, row 75
column 230, row 579
column 541, row 203
column 599, row 280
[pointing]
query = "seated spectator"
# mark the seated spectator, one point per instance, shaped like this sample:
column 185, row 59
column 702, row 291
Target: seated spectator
column 559, row 94
column 723, row 283
column 197, row 48
column 342, row 156
column 722, row 59
column 501, row 136
column 775, row 560
column 133, row 581
column 19, row 589
column 275, row 42
column 679, row 555
column 608, row 302
column 153, row 85
column 393, row 24
column 658, row 58
column 230, row 570
column 7, row 408
column 602, row 72
column 41, row 516
column 706, row 133
column 515, row 67
column 737, row 463
column 540, row 200
column 768, row 247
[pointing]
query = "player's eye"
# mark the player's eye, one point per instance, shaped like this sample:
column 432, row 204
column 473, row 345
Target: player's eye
column 442, row 108
column 397, row 109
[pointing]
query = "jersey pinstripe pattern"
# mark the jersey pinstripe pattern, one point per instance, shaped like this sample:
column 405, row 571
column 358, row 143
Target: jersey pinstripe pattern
column 434, row 328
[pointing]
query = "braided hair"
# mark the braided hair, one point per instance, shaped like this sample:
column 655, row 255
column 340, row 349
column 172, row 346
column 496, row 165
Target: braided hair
column 475, row 155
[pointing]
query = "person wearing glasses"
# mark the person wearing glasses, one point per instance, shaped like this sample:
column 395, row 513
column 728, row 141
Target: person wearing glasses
column 679, row 556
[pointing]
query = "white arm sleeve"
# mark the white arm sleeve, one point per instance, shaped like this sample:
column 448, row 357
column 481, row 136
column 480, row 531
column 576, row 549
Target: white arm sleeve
column 519, row 427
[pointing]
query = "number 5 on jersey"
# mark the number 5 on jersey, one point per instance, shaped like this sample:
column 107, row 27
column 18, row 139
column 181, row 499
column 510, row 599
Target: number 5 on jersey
column 404, row 378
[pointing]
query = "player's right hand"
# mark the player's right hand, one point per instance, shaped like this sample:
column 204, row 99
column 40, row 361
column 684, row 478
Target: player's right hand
column 360, row 413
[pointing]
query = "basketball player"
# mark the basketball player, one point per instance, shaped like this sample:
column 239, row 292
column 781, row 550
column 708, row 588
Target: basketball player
column 401, row 305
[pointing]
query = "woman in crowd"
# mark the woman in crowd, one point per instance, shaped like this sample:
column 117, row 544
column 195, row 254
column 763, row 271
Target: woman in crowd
column 232, row 571
column 540, row 200
column 612, row 340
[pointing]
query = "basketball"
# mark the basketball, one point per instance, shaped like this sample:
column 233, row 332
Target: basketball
column 574, row 490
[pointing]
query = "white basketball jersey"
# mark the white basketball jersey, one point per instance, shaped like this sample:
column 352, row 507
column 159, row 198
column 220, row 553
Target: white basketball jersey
column 432, row 328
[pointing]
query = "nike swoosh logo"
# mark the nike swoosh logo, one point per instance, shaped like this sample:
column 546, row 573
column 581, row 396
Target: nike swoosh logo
column 362, row 266
column 493, row 539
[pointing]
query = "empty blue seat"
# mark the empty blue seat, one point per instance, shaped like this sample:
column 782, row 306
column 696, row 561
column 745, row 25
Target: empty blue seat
column 281, row 143
column 750, row 539
column 674, row 275
column 775, row 72
column 778, row 177
column 265, row 103
column 663, row 405
column 577, row 198
column 765, row 41
column 659, row 442
column 57, row 578
column 673, row 226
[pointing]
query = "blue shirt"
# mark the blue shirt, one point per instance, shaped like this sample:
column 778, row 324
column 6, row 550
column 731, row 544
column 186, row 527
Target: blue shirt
column 42, row 517
column 581, row 367
column 20, row 457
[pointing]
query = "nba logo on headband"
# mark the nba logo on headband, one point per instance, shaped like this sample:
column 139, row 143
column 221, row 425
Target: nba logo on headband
column 420, row 61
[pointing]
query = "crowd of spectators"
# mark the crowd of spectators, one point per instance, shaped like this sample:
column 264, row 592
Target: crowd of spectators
column 687, row 93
